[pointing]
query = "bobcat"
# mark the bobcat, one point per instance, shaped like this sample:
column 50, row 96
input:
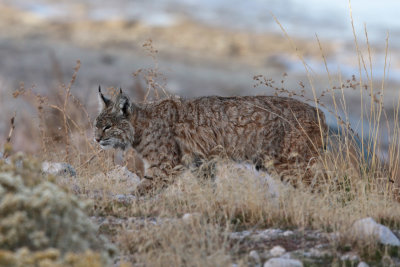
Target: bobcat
column 265, row 130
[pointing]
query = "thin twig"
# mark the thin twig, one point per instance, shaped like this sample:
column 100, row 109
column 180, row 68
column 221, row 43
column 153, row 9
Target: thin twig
column 7, row 147
column 12, row 127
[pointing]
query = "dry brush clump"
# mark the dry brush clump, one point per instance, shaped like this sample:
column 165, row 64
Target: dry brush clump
column 62, row 124
column 40, row 221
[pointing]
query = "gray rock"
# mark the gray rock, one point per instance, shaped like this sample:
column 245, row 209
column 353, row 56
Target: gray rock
column 255, row 257
column 316, row 253
column 367, row 228
column 123, row 175
column 124, row 198
column 240, row 235
column 58, row 169
column 270, row 233
column 280, row 262
column 362, row 264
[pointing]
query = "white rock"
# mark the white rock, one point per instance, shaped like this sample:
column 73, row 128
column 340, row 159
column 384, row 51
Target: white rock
column 288, row 233
column 58, row 168
column 350, row 257
column 254, row 255
column 279, row 262
column 187, row 217
column 265, row 178
column 277, row 251
column 270, row 233
column 124, row 175
column 362, row 264
column 367, row 228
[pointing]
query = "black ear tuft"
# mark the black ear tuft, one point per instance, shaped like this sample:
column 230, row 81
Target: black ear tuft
column 105, row 101
column 120, row 90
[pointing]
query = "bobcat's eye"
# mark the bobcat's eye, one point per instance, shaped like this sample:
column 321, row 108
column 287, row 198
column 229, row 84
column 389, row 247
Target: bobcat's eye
column 106, row 128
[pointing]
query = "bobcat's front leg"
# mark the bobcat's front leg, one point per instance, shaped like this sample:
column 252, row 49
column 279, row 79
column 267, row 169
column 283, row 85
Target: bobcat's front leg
column 159, row 166
column 155, row 177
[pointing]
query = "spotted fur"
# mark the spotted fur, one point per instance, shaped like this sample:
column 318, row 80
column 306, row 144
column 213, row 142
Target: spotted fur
column 265, row 130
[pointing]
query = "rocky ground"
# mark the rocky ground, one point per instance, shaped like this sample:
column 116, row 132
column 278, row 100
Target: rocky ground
column 260, row 246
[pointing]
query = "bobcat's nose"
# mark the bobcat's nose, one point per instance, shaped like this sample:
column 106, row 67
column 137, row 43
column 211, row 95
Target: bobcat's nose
column 97, row 139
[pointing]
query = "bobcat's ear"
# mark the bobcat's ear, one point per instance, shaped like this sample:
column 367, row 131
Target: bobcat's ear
column 103, row 101
column 124, row 103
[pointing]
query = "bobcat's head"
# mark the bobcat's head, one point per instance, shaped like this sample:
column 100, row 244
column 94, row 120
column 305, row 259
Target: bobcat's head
column 112, row 126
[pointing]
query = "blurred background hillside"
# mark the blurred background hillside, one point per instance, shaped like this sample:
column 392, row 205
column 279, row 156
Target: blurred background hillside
column 202, row 48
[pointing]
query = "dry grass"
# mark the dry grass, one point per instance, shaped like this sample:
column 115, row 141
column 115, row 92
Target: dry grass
column 354, row 181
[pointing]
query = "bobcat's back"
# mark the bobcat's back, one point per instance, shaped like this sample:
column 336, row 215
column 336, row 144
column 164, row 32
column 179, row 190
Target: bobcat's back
column 253, row 128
